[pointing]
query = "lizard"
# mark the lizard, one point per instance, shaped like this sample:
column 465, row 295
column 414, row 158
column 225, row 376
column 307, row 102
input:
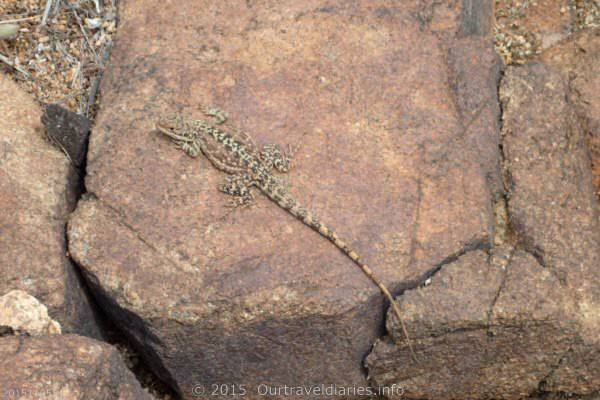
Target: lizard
column 234, row 152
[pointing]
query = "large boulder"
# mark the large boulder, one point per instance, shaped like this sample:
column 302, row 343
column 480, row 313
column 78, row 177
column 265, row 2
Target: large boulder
column 38, row 190
column 395, row 107
column 64, row 367
column 485, row 329
column 525, row 317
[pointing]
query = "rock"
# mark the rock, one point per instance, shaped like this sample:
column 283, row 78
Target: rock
column 37, row 193
column 578, row 59
column 65, row 367
column 24, row 313
column 475, row 72
column 8, row 31
column 69, row 131
column 553, row 208
column 484, row 329
column 389, row 159
column 524, row 318
column 552, row 205
column 525, row 28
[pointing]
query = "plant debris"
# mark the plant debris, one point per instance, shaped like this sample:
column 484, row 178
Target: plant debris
column 520, row 24
column 586, row 13
column 513, row 41
column 58, row 48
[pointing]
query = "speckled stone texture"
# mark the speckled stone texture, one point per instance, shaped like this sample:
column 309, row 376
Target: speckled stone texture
column 64, row 367
column 393, row 157
column 23, row 313
column 485, row 329
column 37, row 193
column 553, row 207
column 523, row 317
column 578, row 60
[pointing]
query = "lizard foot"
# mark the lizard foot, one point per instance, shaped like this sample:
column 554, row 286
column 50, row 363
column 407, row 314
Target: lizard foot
column 219, row 116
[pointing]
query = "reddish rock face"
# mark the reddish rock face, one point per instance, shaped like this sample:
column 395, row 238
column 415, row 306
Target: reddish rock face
column 486, row 330
column 37, row 192
column 394, row 158
column 554, row 210
column 578, row 59
column 525, row 317
column 66, row 367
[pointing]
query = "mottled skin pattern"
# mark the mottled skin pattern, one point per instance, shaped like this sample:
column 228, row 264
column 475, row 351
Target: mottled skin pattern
column 235, row 153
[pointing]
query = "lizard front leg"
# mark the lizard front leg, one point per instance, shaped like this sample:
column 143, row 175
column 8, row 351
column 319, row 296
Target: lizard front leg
column 240, row 187
column 219, row 116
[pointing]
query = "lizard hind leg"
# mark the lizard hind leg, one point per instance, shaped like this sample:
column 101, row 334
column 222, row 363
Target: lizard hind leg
column 273, row 157
column 240, row 187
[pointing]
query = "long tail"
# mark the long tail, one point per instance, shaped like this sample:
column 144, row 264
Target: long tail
column 306, row 216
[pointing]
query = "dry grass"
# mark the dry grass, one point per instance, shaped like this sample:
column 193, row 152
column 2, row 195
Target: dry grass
column 57, row 49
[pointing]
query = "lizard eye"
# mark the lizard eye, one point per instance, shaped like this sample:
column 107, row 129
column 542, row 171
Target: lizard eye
column 174, row 122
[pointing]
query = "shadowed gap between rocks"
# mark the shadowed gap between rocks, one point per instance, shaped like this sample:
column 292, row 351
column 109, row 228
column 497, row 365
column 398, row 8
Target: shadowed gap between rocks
column 131, row 320
column 128, row 346
column 70, row 134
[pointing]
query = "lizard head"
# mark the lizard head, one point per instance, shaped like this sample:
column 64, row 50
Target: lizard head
column 175, row 127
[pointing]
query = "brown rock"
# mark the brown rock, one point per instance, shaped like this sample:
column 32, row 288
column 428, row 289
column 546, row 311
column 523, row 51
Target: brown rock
column 578, row 59
column 527, row 319
column 552, row 206
column 252, row 296
column 65, row 367
column 475, row 70
column 37, row 188
column 484, row 329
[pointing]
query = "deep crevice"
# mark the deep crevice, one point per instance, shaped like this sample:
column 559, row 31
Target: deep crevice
column 483, row 245
column 133, row 348
column 501, row 203
column 107, row 329
column 504, row 262
column 133, row 351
